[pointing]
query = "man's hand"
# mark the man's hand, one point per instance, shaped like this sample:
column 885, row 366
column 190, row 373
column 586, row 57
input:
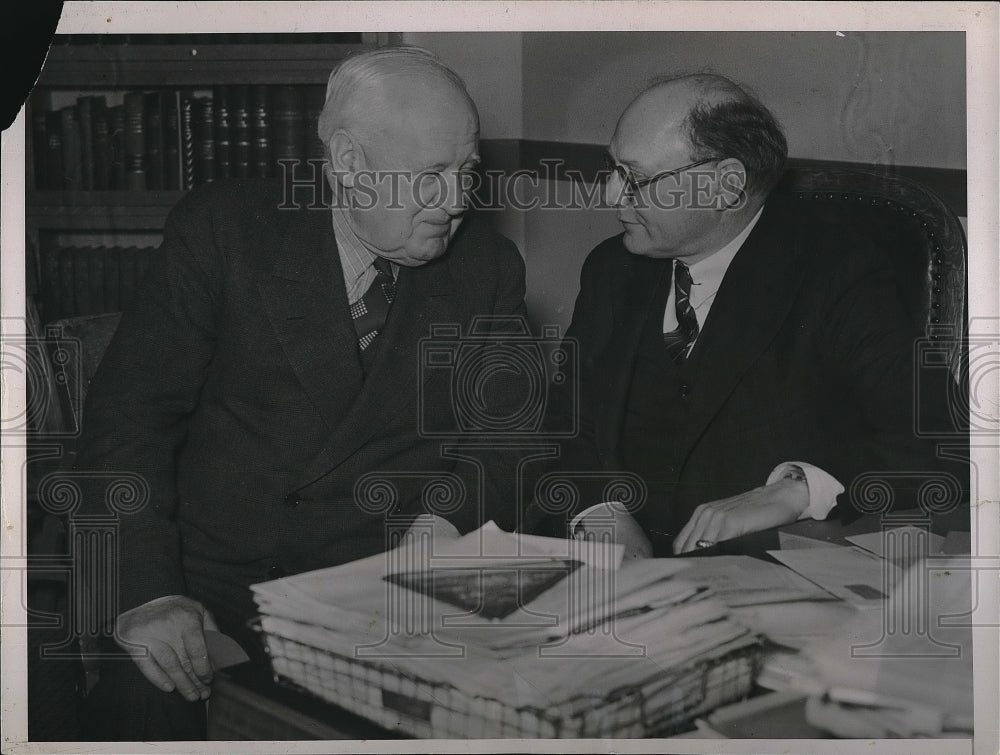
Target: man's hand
column 627, row 531
column 779, row 503
column 166, row 639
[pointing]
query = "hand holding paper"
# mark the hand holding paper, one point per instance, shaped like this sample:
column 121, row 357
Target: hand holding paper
column 165, row 638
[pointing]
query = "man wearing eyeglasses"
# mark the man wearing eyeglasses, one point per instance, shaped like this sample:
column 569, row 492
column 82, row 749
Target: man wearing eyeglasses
column 746, row 361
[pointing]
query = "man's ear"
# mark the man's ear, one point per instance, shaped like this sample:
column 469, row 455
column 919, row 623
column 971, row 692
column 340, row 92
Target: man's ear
column 346, row 158
column 731, row 188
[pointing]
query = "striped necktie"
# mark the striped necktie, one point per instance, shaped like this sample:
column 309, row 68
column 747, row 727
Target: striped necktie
column 680, row 338
column 371, row 310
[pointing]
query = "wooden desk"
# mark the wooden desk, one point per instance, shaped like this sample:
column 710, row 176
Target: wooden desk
column 247, row 704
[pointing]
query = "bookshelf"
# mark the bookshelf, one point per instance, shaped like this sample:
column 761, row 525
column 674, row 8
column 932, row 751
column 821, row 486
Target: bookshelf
column 70, row 205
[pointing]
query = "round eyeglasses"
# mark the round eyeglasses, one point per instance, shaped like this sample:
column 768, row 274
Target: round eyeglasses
column 632, row 184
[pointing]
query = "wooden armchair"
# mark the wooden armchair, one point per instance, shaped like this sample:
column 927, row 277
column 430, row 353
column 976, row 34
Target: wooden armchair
column 921, row 234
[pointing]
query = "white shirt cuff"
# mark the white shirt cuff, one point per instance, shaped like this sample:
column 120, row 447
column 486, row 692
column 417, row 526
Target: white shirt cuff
column 611, row 507
column 823, row 488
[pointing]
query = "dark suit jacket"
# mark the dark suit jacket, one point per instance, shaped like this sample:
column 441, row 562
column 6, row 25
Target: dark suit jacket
column 235, row 389
column 806, row 355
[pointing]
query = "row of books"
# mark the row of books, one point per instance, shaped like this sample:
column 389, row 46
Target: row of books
column 175, row 139
column 90, row 280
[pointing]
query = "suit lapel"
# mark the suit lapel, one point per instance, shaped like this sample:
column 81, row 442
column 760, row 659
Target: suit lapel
column 305, row 299
column 425, row 295
column 756, row 295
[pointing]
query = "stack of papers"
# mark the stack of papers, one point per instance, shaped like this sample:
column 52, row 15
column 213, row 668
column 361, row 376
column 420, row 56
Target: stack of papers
column 525, row 620
column 900, row 665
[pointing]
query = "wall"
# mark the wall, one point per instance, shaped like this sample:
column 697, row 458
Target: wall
column 887, row 98
column 492, row 67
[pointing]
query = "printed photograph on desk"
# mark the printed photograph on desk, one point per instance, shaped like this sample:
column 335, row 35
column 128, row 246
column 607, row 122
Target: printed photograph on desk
column 501, row 377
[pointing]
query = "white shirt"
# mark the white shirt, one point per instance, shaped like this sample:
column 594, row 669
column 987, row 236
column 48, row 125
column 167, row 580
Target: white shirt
column 706, row 277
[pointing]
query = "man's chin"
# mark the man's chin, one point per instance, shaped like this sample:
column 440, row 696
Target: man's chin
column 631, row 242
column 428, row 251
column 641, row 247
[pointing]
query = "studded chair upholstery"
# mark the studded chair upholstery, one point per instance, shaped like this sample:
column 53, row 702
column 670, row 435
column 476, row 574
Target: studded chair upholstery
column 921, row 234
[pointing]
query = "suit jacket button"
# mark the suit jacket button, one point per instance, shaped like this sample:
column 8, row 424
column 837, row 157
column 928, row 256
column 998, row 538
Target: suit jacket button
column 685, row 389
column 275, row 571
column 292, row 499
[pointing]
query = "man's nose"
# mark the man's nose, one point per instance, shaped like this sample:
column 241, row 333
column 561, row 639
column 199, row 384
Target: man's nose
column 456, row 198
column 615, row 194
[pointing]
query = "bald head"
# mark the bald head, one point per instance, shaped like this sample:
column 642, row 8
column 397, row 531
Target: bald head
column 668, row 102
column 695, row 159
column 708, row 116
column 372, row 95
column 400, row 137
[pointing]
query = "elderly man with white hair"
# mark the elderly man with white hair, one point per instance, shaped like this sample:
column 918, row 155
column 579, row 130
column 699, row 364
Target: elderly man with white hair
column 271, row 363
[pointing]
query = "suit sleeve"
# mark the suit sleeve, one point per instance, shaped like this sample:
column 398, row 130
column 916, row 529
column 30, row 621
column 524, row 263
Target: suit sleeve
column 138, row 405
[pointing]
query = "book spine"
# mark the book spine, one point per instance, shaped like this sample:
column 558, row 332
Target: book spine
column 204, row 141
column 81, row 282
column 240, row 104
column 112, row 264
column 102, row 144
column 40, row 145
column 135, row 142
column 54, row 153
column 153, row 130
column 72, row 158
column 116, row 138
column 187, row 142
column 50, row 283
column 85, row 112
column 260, row 132
column 171, row 140
column 287, row 127
column 143, row 257
column 94, row 261
column 126, row 277
column 67, row 283
column 315, row 97
column 223, row 127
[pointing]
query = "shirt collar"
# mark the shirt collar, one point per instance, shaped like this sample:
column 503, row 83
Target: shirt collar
column 355, row 257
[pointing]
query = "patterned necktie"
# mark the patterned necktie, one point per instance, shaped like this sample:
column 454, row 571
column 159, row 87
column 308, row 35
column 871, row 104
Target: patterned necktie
column 678, row 339
column 370, row 311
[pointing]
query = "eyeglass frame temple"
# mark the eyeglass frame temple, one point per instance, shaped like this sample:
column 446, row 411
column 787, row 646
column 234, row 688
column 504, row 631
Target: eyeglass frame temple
column 632, row 185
